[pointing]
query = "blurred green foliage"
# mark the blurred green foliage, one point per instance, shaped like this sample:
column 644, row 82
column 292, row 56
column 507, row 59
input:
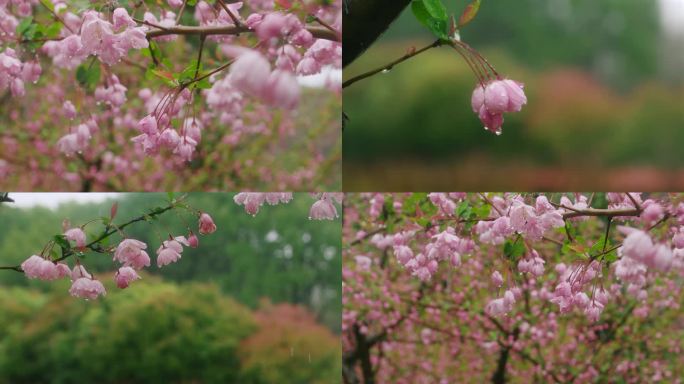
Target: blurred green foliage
column 618, row 39
column 154, row 333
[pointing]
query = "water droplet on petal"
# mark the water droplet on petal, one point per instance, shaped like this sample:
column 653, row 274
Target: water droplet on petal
column 498, row 133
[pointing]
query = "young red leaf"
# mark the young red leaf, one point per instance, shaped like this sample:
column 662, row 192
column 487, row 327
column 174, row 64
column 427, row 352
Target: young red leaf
column 469, row 13
column 285, row 4
column 113, row 210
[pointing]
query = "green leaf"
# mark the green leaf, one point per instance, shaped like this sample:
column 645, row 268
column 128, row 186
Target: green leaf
column 167, row 77
column 469, row 13
column 513, row 250
column 88, row 76
column 482, row 211
column 188, row 72
column 464, row 210
column 52, row 30
column 62, row 242
column 599, row 246
column 409, row 206
column 437, row 26
column 436, row 9
column 204, row 84
column 24, row 26
column 610, row 256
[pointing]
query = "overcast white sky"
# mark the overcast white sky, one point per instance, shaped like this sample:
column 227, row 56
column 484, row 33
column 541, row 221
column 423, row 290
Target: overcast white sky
column 672, row 12
column 319, row 80
column 52, row 200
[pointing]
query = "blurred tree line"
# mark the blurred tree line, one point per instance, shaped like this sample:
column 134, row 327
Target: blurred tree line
column 159, row 332
column 257, row 302
column 618, row 40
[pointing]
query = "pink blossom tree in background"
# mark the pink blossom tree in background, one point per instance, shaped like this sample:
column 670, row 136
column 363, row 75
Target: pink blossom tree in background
column 130, row 255
column 182, row 94
column 510, row 287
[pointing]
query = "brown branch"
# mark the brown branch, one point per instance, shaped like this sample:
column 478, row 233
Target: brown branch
column 317, row 32
column 610, row 213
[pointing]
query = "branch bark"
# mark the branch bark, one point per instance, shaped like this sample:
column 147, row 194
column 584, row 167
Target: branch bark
column 317, row 32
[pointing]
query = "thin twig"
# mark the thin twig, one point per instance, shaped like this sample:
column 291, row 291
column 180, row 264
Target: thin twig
column 109, row 230
column 391, row 65
column 232, row 16
column 56, row 16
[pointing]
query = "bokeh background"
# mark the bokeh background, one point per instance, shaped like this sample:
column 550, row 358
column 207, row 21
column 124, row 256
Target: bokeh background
column 604, row 81
column 257, row 302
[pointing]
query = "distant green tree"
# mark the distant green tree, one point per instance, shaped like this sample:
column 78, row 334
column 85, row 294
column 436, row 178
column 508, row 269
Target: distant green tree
column 158, row 332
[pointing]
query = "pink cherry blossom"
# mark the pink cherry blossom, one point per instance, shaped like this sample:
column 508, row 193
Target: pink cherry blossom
column 323, row 209
column 282, row 90
column 495, row 98
column 363, row 262
column 497, row 279
column 124, row 276
column 193, row 241
column 79, row 272
column 36, row 267
column 88, row 289
column 206, row 224
column 69, row 110
column 77, row 236
column 130, row 252
column 167, row 255
column 637, row 246
column 250, row 73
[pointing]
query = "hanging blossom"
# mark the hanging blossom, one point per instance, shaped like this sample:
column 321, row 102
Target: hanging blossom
column 130, row 253
column 497, row 96
column 322, row 209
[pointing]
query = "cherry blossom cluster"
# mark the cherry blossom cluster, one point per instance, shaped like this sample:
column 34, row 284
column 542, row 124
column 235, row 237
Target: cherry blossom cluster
column 250, row 75
column 93, row 34
column 491, row 100
column 14, row 73
column 130, row 254
column 148, row 93
column 541, row 282
column 322, row 209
